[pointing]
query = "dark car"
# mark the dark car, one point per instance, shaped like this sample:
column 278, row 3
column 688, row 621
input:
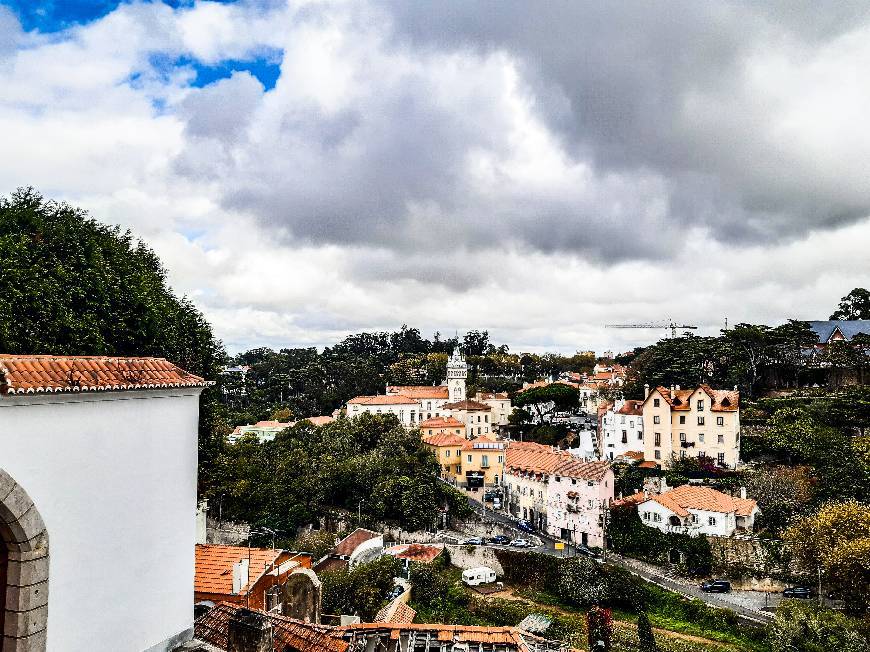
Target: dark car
column 491, row 494
column 501, row 539
column 716, row 586
column 797, row 592
column 395, row 593
column 525, row 526
column 583, row 551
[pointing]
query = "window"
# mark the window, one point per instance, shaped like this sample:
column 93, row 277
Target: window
column 721, row 458
column 656, row 402
column 711, row 520
column 486, row 418
column 721, row 439
column 657, row 419
column 478, row 430
column 682, row 436
column 658, row 454
column 693, row 518
column 622, row 419
column 413, row 416
column 657, row 518
column 624, row 436
column 658, row 439
column 469, row 458
column 573, row 481
column 447, row 454
column 700, row 406
column 646, row 516
column 682, row 454
column 701, row 454
column 485, row 460
column 640, row 435
column 428, row 405
column 720, row 421
column 682, row 418
column 401, row 415
column 500, row 459
column 458, row 453
column 589, row 483
column 700, row 421
column 701, row 437
column 589, row 503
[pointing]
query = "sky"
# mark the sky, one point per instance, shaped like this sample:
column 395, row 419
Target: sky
column 311, row 169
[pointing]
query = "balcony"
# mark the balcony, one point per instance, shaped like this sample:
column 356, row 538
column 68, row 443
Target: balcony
column 687, row 444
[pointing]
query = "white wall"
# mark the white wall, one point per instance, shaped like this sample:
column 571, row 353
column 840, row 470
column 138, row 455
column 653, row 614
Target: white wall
column 114, row 477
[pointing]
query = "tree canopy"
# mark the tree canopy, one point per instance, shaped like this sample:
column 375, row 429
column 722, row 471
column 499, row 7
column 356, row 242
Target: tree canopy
column 855, row 305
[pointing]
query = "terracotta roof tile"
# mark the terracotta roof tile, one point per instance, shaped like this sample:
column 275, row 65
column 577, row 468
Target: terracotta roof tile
column 534, row 460
column 631, row 407
column 396, row 612
column 685, row 497
column 415, row 551
column 25, row 374
column 441, row 422
column 444, row 439
column 721, row 400
column 483, row 443
column 383, row 399
column 576, row 468
column 420, row 391
column 214, row 566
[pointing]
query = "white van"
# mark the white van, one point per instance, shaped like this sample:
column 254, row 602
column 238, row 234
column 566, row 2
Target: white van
column 480, row 575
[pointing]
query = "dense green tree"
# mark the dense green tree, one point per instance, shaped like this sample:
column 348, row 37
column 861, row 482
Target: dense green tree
column 807, row 628
column 646, row 642
column 855, row 305
column 555, row 396
column 361, row 591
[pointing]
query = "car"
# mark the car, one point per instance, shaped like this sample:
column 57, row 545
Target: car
column 395, row 593
column 473, row 541
column 525, row 526
column 583, row 551
column 716, row 586
column 500, row 539
column 491, row 494
column 522, row 543
column 797, row 592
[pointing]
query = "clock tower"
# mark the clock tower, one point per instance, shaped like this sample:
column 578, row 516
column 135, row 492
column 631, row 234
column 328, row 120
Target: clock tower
column 457, row 373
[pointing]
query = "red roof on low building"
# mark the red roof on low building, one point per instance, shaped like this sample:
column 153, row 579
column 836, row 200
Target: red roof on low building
column 468, row 406
column 415, row 551
column 383, row 399
column 532, row 460
column 576, row 468
column 214, row 566
column 444, row 439
column 721, row 400
column 27, row 374
column 440, row 422
column 631, row 407
column 685, row 497
column 346, row 546
column 420, row 391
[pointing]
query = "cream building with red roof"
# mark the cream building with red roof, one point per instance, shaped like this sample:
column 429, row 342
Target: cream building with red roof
column 700, row 422
column 695, row 511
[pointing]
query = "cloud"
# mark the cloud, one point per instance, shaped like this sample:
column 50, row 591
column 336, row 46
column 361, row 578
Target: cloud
column 534, row 172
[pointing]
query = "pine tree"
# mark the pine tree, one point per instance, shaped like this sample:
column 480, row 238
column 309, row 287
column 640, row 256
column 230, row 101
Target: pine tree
column 644, row 634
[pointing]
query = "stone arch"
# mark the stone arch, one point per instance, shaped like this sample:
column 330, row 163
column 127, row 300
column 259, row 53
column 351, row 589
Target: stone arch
column 25, row 541
column 302, row 595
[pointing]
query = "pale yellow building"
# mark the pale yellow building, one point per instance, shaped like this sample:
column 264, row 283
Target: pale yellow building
column 499, row 403
column 700, row 422
column 470, row 463
column 476, row 416
column 442, row 425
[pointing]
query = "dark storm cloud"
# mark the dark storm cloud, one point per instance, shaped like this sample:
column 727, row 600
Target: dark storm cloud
column 656, row 109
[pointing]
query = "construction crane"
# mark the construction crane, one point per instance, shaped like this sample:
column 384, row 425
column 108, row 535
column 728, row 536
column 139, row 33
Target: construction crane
column 668, row 324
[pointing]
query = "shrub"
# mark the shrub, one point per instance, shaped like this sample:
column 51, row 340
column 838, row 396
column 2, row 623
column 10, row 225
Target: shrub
column 646, row 641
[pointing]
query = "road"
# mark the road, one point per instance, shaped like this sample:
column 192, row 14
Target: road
column 750, row 605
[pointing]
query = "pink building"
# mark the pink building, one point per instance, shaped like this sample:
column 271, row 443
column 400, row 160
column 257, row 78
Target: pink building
column 577, row 495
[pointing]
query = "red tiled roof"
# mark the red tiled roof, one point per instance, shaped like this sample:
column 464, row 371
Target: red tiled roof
column 26, row 374
column 633, row 499
column 468, row 405
column 647, row 465
column 287, row 634
column 721, row 400
column 415, row 551
column 631, row 407
column 214, row 566
column 384, row 399
column 492, row 396
column 444, row 439
column 680, row 499
column 511, row 637
column 346, row 546
column 530, row 446
column 634, row 455
column 319, row 421
column 534, row 461
column 396, row 612
column 420, row 391
column 441, row 422
column 575, row 468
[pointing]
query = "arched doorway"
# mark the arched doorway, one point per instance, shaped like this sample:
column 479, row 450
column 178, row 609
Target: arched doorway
column 23, row 569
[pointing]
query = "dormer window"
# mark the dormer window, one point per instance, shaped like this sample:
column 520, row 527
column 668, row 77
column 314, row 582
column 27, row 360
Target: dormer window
column 656, row 402
column 700, row 406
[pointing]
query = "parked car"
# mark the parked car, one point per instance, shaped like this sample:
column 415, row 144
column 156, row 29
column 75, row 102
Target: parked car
column 583, row 551
column 395, row 593
column 500, row 539
column 474, row 541
column 522, row 543
column 496, row 503
column 491, row 494
column 797, row 592
column 525, row 526
column 716, row 586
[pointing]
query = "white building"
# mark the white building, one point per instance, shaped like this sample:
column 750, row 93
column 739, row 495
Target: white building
column 622, row 429
column 500, row 403
column 697, row 510
column 98, row 493
column 577, row 495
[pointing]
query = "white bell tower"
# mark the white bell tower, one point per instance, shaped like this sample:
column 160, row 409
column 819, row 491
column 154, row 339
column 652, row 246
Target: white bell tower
column 457, row 373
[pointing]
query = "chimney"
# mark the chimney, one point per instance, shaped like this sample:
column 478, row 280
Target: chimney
column 646, row 391
column 743, row 492
column 672, row 391
column 201, row 525
column 735, row 388
column 241, row 575
column 646, row 494
column 249, row 631
column 678, row 388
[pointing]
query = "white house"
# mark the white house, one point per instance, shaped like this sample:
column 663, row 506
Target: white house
column 622, row 429
column 698, row 510
column 98, row 460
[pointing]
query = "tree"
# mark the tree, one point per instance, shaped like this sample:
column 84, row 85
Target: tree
column 836, row 542
column 360, row 591
column 781, row 492
column 581, row 582
column 555, row 396
column 855, row 305
column 646, row 641
column 807, row 628
column 599, row 627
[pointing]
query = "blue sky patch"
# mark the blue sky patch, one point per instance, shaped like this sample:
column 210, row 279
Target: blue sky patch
column 265, row 66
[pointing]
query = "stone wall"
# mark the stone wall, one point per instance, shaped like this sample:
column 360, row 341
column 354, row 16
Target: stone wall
column 226, row 533
column 466, row 557
column 744, row 557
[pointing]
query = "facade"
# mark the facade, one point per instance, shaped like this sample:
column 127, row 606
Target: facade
column 447, row 448
column 266, row 430
column 98, row 493
column 499, row 403
column 477, row 417
column 578, row 493
column 407, row 410
column 244, row 576
column 528, row 467
column 698, row 511
column 457, row 375
column 700, row 422
column 622, row 429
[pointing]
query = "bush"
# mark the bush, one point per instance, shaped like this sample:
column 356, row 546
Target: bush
column 646, row 641
column 362, row 590
column 806, row 628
